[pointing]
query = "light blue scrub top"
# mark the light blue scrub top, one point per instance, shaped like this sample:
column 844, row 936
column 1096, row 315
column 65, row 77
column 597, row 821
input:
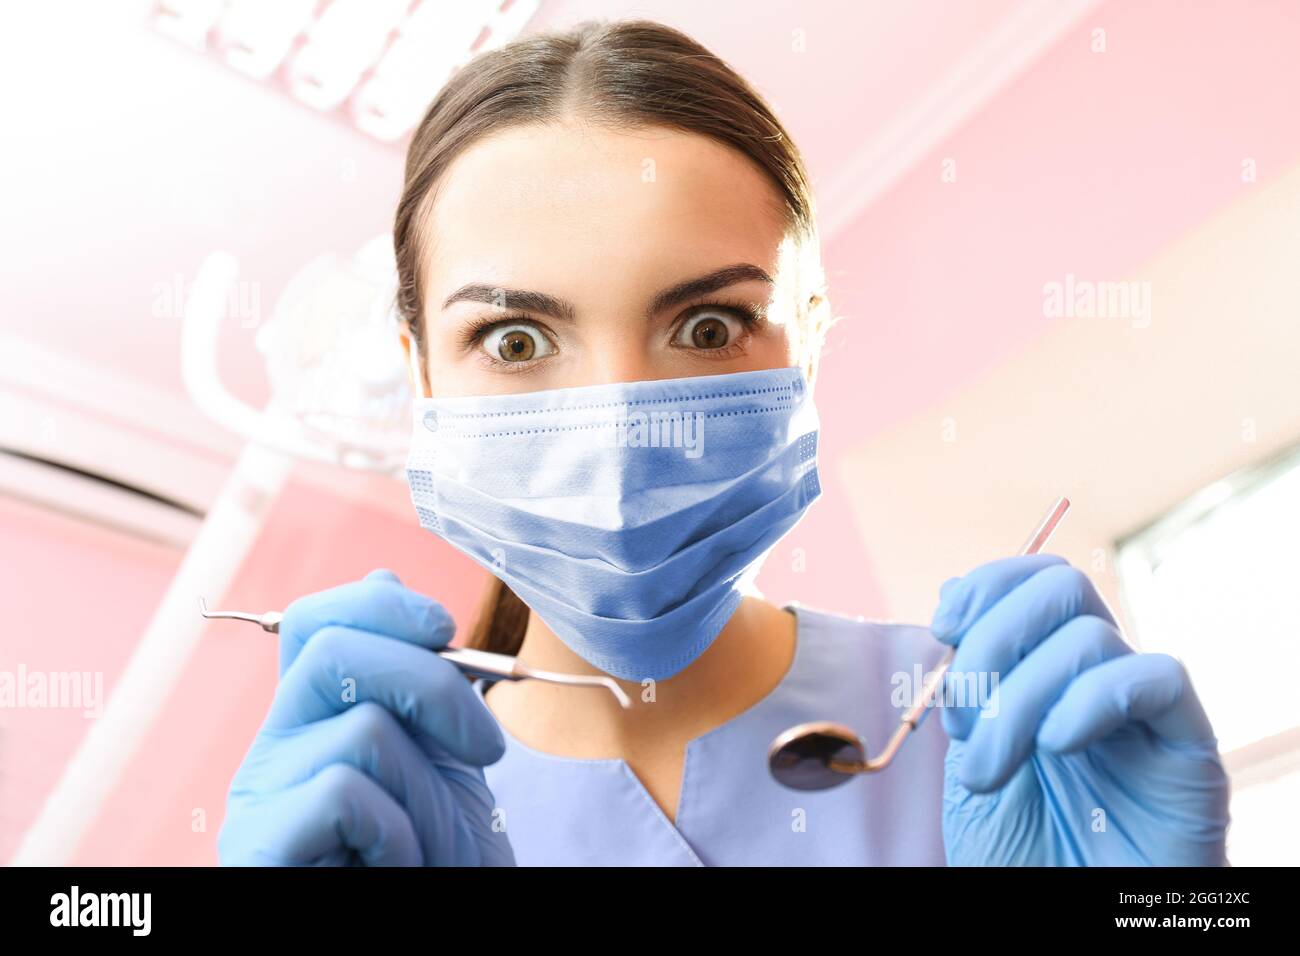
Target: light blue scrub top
column 566, row 811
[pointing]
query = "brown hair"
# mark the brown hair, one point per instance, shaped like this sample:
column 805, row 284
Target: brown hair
column 621, row 74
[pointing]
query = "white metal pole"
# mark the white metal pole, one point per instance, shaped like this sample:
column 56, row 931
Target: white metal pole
column 209, row 566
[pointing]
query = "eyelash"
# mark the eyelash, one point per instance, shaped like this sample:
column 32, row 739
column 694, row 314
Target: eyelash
column 750, row 316
column 479, row 328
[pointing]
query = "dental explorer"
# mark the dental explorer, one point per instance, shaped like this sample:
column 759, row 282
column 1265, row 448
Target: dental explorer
column 472, row 662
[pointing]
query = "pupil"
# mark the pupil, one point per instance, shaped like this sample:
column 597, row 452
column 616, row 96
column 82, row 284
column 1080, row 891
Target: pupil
column 517, row 347
column 709, row 334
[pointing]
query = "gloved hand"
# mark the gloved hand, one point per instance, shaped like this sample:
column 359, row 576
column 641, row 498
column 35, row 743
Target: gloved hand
column 1086, row 753
column 372, row 750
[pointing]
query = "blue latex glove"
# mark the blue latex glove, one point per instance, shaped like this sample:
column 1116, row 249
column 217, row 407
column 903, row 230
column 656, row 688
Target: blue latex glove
column 1087, row 753
column 373, row 749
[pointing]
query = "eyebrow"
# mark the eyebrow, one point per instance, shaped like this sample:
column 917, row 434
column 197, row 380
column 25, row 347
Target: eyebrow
column 544, row 304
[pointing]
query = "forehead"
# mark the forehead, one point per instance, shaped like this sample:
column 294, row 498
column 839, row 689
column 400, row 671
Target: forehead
column 572, row 200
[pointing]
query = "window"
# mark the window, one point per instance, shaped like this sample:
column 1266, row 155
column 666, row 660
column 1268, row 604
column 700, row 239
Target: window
column 1214, row 583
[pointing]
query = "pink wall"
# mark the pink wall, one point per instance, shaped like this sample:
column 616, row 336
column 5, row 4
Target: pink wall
column 75, row 598
column 189, row 756
column 1088, row 164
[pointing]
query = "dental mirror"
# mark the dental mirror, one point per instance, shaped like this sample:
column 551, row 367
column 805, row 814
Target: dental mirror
column 821, row 754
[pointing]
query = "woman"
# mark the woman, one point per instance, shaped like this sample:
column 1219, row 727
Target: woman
column 610, row 278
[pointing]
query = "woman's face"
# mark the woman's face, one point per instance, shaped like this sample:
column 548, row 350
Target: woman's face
column 566, row 255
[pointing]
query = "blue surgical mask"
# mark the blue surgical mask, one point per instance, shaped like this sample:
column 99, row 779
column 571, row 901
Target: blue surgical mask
column 631, row 516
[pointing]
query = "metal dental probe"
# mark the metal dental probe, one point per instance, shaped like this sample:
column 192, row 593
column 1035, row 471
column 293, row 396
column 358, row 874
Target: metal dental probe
column 472, row 662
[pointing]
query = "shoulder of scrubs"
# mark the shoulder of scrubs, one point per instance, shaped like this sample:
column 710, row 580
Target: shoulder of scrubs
column 564, row 811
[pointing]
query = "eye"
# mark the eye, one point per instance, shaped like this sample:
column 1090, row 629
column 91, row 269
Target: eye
column 516, row 342
column 709, row 329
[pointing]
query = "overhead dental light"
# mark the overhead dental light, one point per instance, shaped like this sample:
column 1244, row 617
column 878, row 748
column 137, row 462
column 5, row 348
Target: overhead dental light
column 339, row 391
column 379, row 62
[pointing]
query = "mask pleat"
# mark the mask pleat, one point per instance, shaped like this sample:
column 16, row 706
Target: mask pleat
column 624, row 515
